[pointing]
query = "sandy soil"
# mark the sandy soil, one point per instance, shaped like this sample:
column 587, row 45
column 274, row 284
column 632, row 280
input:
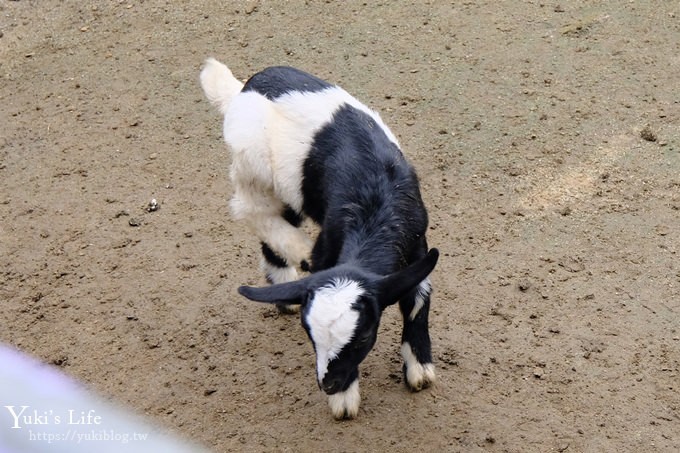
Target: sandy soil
column 546, row 137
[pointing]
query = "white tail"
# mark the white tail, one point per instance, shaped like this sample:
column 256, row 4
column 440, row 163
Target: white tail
column 219, row 84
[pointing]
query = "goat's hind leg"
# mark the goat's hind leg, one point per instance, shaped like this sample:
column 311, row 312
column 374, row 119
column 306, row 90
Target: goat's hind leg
column 276, row 269
column 416, row 349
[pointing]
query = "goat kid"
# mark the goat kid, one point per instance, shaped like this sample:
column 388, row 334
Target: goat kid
column 302, row 147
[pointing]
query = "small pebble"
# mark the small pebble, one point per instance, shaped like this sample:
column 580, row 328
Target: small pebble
column 153, row 205
column 133, row 222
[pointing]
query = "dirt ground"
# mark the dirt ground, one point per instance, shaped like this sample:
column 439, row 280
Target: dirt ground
column 547, row 139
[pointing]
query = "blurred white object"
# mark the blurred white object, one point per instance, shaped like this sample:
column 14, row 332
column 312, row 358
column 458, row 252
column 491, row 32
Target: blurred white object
column 43, row 410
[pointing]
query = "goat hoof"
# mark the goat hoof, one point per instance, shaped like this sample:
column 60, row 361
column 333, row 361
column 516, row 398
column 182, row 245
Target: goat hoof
column 345, row 405
column 286, row 309
column 346, row 416
column 419, row 376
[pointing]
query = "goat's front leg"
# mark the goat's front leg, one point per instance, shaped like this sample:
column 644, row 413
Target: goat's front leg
column 416, row 349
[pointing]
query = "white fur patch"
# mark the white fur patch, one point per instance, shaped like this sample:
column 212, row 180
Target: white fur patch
column 424, row 290
column 262, row 211
column 419, row 375
column 332, row 320
column 345, row 404
column 219, row 85
column 277, row 274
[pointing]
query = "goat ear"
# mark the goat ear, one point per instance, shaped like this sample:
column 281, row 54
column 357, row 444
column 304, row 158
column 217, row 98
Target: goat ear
column 395, row 286
column 288, row 293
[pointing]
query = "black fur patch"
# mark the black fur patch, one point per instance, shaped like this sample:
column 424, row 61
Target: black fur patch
column 292, row 217
column 359, row 187
column 278, row 80
column 272, row 258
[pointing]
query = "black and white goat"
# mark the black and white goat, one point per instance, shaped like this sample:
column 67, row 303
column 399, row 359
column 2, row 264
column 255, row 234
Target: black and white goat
column 302, row 147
